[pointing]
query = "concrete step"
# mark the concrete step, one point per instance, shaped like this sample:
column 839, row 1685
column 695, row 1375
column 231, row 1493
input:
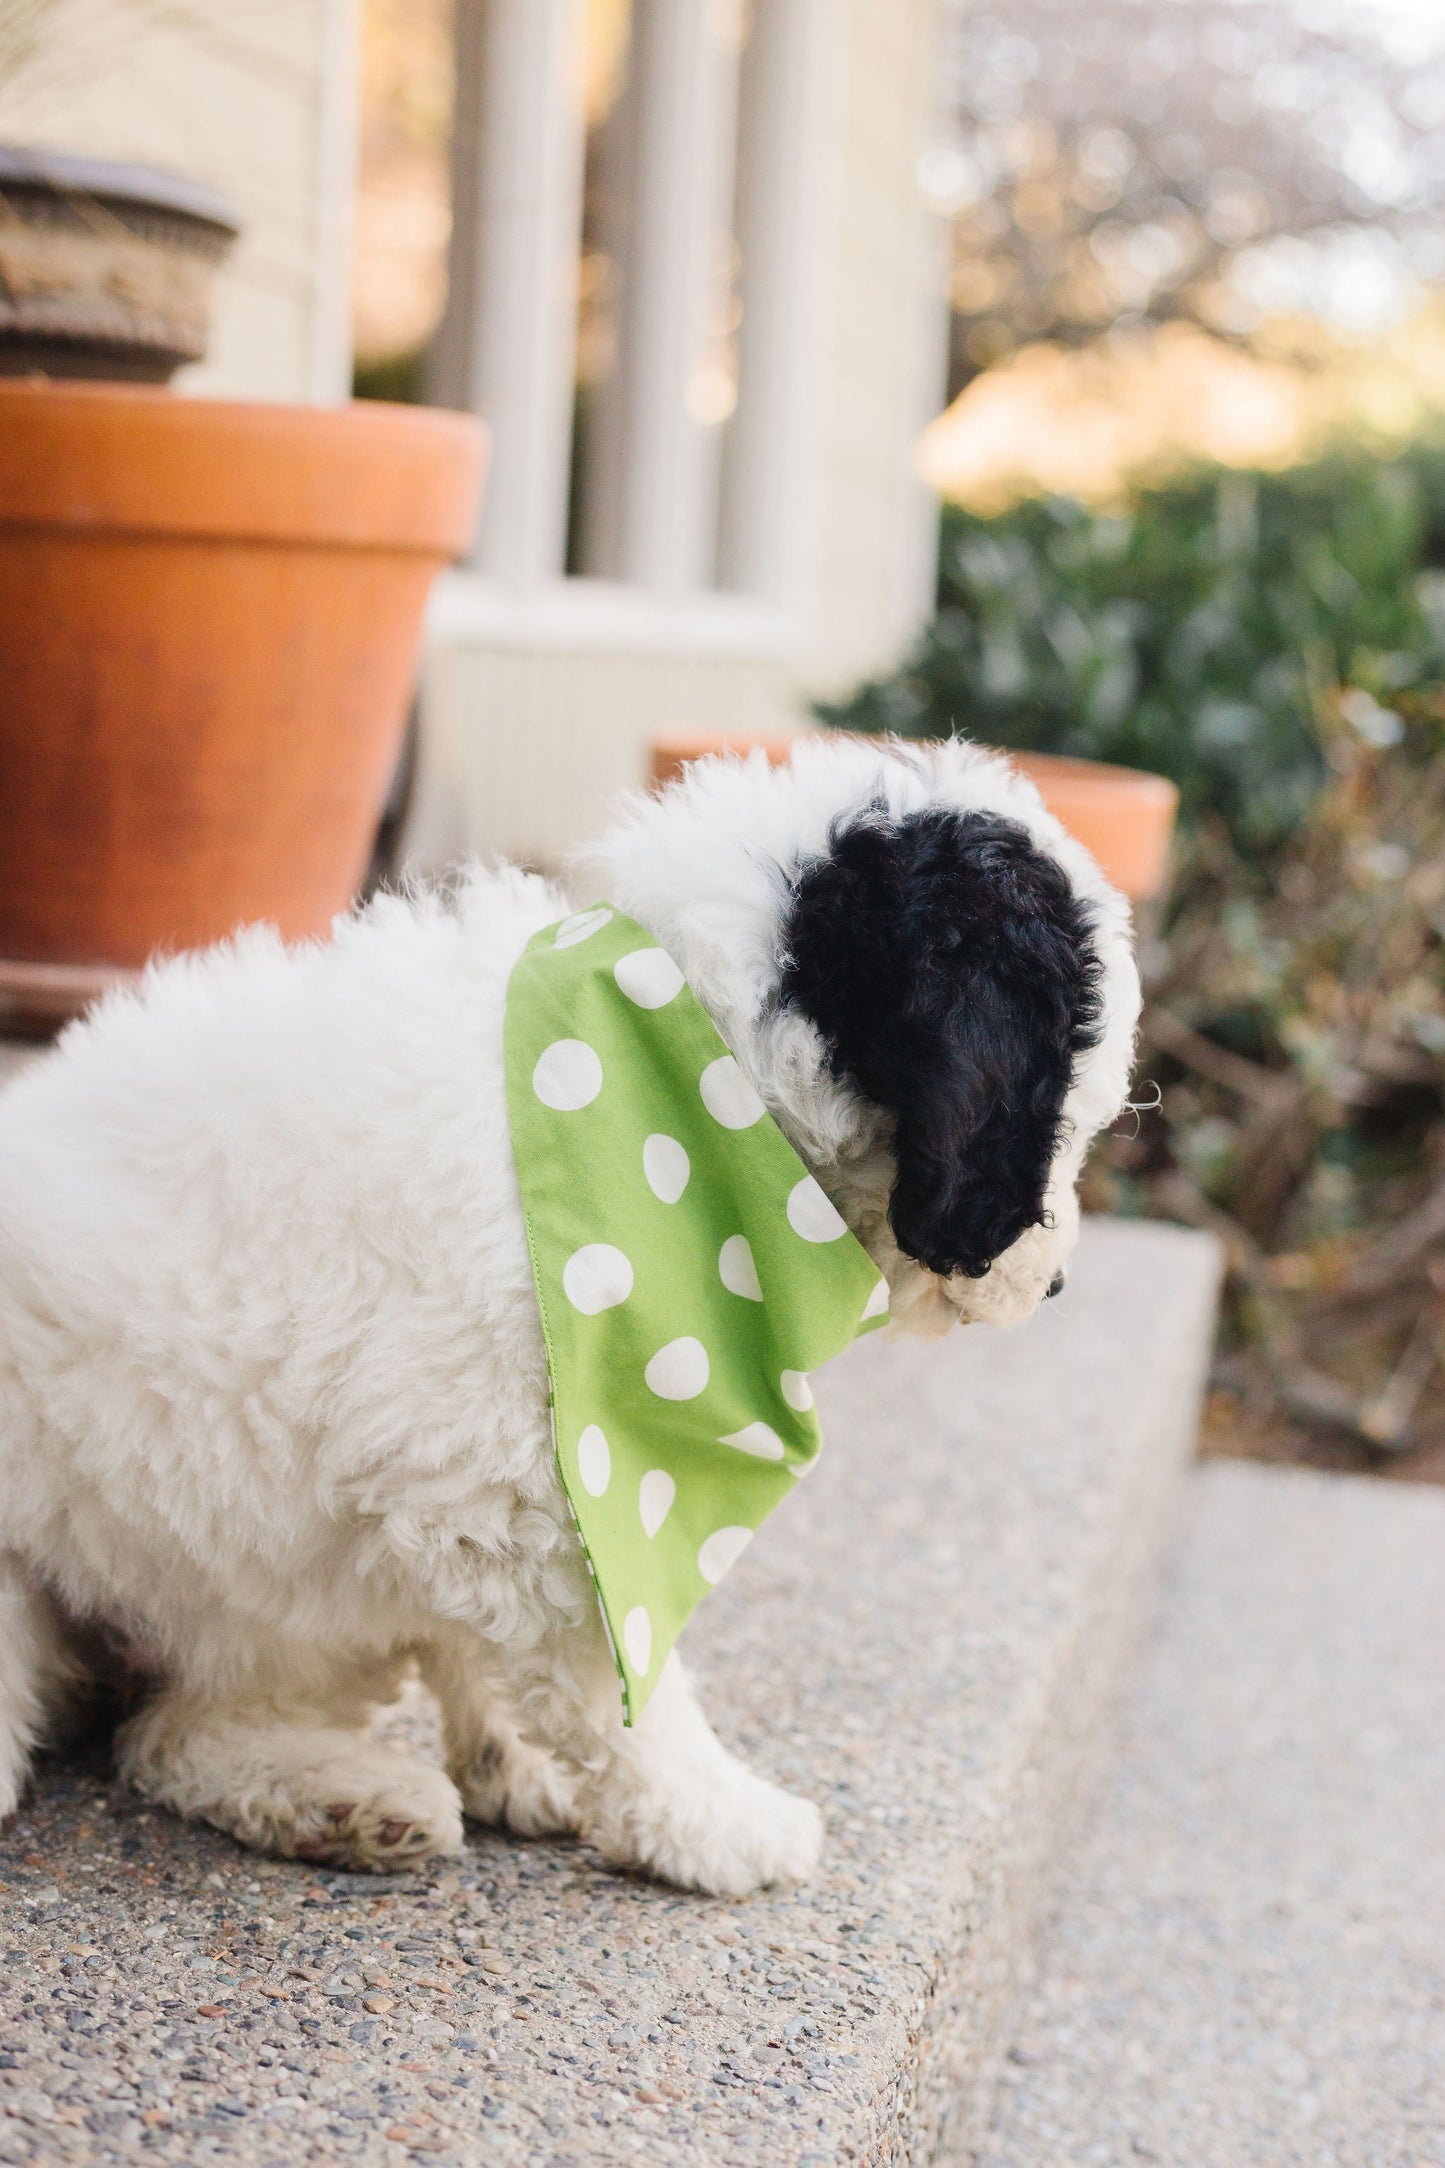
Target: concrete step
column 1249, row 1967
column 926, row 1639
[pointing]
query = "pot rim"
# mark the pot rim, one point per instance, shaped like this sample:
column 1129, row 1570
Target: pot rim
column 89, row 460
column 1100, row 778
column 1124, row 817
column 60, row 173
column 1074, row 771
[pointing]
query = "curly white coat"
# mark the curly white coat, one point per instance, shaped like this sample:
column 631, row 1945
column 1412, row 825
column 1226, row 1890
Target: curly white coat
column 273, row 1395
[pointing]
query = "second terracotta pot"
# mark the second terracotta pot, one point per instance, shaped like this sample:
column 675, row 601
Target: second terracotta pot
column 1123, row 816
column 209, row 621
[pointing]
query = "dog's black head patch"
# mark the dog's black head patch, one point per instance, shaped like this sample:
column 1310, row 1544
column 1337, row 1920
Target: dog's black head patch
column 948, row 965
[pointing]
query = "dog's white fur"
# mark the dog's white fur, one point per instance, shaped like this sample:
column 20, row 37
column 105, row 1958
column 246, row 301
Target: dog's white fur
column 273, row 1395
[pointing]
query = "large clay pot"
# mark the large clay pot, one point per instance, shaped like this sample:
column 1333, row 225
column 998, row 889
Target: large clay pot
column 1123, row 816
column 209, row 621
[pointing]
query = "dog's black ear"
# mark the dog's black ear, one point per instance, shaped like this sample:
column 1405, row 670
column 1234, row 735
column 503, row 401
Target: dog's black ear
column 948, row 965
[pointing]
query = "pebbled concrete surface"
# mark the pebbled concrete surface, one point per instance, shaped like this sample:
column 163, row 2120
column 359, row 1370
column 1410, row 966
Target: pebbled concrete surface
column 925, row 1641
column 1249, row 1966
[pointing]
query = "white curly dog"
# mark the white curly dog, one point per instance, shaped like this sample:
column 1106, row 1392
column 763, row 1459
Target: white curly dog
column 273, row 1391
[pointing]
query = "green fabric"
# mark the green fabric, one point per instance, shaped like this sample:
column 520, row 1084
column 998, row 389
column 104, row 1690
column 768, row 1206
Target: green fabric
column 690, row 1274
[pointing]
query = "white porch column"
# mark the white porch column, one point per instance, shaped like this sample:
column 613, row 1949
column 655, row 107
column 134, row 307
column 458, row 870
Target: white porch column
column 507, row 347
column 683, row 110
column 788, row 155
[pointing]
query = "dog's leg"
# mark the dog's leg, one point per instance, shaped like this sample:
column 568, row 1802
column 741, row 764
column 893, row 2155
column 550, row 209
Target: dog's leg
column 504, row 1781
column 291, row 1781
column 665, row 1796
column 39, row 1673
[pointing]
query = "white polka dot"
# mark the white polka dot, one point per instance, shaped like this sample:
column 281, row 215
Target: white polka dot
column 759, row 1439
column 637, row 1639
column 666, row 1166
column 797, row 1390
column 579, row 927
column 567, row 1076
column 728, row 1096
column 648, row 976
column 722, row 1550
column 655, row 1494
column 678, row 1371
column 811, row 1215
column 737, row 1270
column 594, row 1461
column 877, row 1303
column 596, row 1277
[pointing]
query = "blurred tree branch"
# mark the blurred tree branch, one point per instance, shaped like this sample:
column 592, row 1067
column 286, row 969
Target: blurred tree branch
column 1318, row 1156
column 1130, row 162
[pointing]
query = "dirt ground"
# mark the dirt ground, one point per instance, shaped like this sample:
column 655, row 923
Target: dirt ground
column 1231, row 1430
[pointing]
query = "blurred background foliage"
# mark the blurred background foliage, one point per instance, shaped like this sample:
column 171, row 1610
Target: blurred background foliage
column 1276, row 644
column 1194, row 521
column 1192, row 631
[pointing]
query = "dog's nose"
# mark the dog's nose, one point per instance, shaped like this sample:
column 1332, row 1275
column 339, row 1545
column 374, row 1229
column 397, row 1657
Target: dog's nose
column 1055, row 1287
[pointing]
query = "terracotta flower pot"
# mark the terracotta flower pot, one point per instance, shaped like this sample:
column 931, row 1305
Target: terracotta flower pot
column 1123, row 816
column 209, row 619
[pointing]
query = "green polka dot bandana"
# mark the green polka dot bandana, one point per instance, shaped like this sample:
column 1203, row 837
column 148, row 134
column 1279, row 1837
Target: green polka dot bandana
column 690, row 1274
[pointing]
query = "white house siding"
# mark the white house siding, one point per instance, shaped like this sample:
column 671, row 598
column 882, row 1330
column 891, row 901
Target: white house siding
column 529, row 747
column 259, row 101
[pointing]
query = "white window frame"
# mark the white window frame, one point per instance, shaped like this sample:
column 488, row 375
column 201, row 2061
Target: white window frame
column 507, row 347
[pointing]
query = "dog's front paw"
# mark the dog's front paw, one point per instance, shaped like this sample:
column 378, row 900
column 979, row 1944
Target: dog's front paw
column 725, row 1834
column 385, row 1826
column 512, row 1785
column 776, row 1839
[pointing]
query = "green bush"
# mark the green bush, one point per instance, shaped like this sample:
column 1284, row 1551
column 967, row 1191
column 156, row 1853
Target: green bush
column 1276, row 644
column 1192, row 634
